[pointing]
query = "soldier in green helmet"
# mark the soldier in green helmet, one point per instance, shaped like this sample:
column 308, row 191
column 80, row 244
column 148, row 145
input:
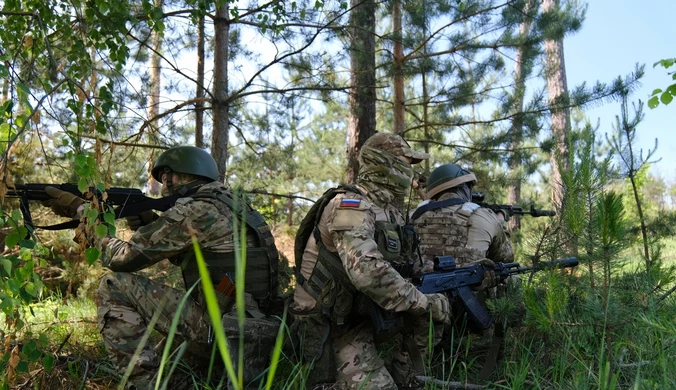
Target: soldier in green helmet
column 448, row 223
column 205, row 209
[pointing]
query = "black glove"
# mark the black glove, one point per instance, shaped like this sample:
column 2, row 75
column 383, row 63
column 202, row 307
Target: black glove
column 136, row 221
column 63, row 203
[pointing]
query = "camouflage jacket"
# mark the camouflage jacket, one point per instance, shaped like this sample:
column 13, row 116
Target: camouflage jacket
column 169, row 237
column 347, row 226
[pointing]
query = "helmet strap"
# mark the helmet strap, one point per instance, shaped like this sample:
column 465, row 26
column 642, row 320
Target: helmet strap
column 168, row 181
column 193, row 185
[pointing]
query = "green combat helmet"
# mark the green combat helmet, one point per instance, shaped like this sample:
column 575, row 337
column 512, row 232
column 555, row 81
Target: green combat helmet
column 446, row 177
column 186, row 159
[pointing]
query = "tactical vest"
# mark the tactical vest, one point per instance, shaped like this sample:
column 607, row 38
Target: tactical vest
column 261, row 260
column 444, row 232
column 329, row 284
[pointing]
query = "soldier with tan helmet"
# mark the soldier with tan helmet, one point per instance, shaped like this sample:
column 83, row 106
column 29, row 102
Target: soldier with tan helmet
column 356, row 252
column 207, row 210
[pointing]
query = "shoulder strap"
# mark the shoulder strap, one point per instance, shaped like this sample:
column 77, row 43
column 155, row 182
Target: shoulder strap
column 255, row 221
column 436, row 205
column 311, row 219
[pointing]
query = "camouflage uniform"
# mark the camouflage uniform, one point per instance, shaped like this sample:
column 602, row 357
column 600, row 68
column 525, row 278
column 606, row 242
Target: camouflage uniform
column 349, row 228
column 465, row 231
column 127, row 302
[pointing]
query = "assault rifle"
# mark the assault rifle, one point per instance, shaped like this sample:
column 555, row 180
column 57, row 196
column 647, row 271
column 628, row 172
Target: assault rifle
column 509, row 210
column 456, row 282
column 129, row 201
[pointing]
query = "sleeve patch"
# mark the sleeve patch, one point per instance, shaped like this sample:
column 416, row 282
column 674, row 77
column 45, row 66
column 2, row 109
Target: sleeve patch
column 347, row 219
column 347, row 202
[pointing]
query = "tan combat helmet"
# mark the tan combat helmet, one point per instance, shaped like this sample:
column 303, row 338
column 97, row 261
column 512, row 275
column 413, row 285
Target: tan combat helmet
column 396, row 145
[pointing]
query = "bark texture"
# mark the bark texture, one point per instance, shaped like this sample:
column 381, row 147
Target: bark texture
column 362, row 98
column 219, row 138
column 557, row 86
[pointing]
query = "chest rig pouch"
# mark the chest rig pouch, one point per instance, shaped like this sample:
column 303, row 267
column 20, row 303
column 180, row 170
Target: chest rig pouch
column 329, row 283
column 395, row 244
column 261, row 260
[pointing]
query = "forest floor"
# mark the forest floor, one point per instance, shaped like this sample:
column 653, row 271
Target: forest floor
column 69, row 324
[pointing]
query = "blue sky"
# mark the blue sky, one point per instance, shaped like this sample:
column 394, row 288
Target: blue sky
column 614, row 37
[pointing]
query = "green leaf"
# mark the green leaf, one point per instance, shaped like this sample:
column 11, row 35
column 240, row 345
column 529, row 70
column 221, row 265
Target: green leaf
column 109, row 218
column 666, row 98
column 22, row 367
column 82, row 185
column 655, row 92
column 91, row 214
column 30, row 288
column 92, row 254
column 23, row 88
column 35, row 355
column 653, row 102
column 48, row 362
column 6, row 266
column 30, row 244
column 101, row 230
column 43, row 340
column 13, row 238
column 666, row 63
column 672, row 89
column 16, row 215
column 14, row 286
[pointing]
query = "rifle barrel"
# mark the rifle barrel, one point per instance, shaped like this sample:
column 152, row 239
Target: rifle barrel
column 567, row 262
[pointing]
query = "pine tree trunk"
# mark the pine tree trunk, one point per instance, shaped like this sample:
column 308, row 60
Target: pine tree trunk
column 154, row 187
column 219, row 139
column 199, row 106
column 289, row 207
column 555, row 69
column 362, row 98
column 516, row 132
column 398, row 63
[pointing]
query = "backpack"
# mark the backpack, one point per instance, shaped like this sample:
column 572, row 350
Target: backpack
column 311, row 220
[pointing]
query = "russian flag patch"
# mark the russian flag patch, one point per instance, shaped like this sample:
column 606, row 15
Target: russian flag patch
column 350, row 203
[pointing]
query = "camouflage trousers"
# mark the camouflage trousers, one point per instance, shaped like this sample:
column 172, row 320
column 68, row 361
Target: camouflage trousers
column 360, row 365
column 126, row 304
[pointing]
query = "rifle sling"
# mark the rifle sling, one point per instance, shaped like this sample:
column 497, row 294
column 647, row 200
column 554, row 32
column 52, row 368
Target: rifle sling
column 436, row 205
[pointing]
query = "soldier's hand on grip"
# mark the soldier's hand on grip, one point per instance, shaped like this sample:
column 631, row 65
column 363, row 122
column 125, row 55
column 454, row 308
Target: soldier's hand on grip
column 490, row 280
column 136, row 221
column 440, row 308
column 63, row 203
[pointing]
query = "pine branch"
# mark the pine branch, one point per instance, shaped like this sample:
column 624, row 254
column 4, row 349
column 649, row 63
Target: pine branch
column 119, row 143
